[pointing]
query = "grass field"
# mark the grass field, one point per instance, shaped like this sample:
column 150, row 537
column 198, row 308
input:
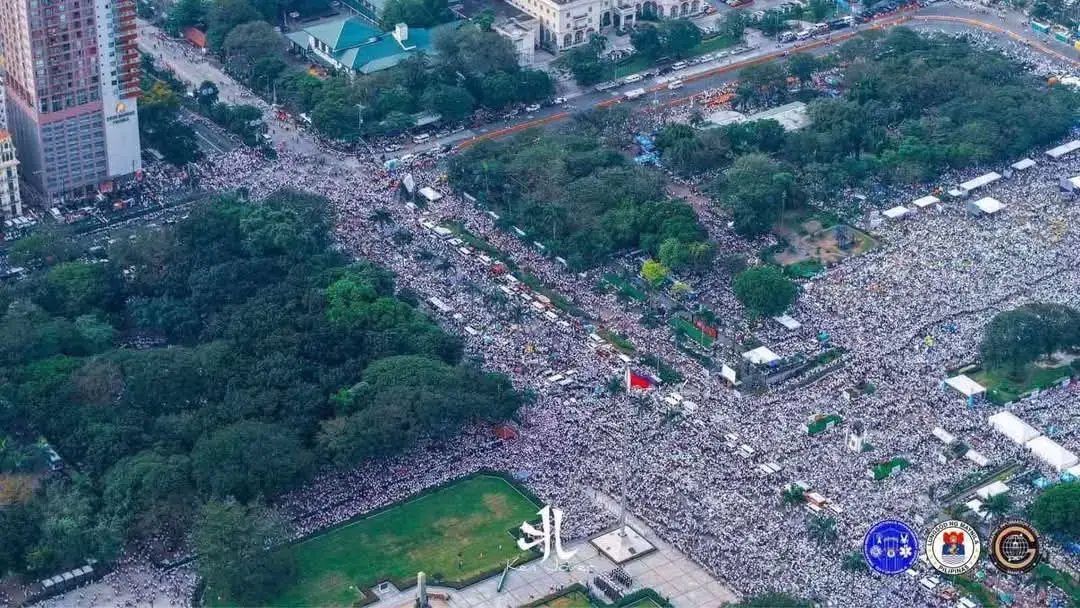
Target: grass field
column 692, row 332
column 1003, row 388
column 576, row 599
column 644, row 603
column 471, row 519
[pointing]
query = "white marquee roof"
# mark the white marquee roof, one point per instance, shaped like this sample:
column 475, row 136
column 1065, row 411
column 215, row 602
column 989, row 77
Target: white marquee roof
column 926, row 201
column 896, row 212
column 992, row 490
column 1021, row 165
column 1014, row 428
column 945, row 436
column 1051, row 452
column 989, row 205
column 788, row 322
column 965, row 386
column 1064, row 149
column 980, row 181
column 761, row 356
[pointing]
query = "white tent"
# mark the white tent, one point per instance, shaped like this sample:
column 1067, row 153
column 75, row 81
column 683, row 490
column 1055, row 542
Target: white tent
column 430, row 194
column 760, row 356
column 965, row 386
column 977, row 458
column 979, row 182
column 985, row 206
column 1023, row 165
column 1074, row 471
column 1051, row 452
column 925, row 201
column 896, row 212
column 1064, row 149
column 993, row 489
column 788, row 322
column 976, row 506
column 1014, row 428
column 945, row 436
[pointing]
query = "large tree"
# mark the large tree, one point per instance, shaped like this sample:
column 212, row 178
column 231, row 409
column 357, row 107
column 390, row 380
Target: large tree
column 1014, row 338
column 248, row 459
column 765, row 291
column 236, row 552
column 757, row 190
column 1057, row 511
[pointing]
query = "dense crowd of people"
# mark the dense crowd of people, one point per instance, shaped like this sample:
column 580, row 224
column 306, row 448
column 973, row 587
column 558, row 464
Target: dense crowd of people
column 939, row 272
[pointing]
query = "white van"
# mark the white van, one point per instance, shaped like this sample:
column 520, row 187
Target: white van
column 419, row 139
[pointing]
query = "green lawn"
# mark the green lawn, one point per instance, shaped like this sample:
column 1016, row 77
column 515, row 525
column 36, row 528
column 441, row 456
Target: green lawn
column 1002, row 387
column 625, row 287
column 644, row 602
column 692, row 332
column 471, row 518
column 576, row 599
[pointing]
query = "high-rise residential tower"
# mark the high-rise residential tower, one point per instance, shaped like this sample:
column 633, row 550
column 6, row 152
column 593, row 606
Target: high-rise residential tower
column 72, row 84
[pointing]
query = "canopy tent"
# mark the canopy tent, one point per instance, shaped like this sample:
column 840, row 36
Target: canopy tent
column 977, row 458
column 925, row 201
column 761, row 356
column 1023, row 165
column 430, row 194
column 1064, row 149
column 1074, row 471
column 1012, row 427
column 979, row 182
column 993, row 489
column 1051, row 452
column 965, row 386
column 945, row 436
column 976, row 506
column 985, row 206
column 788, row 322
column 896, row 212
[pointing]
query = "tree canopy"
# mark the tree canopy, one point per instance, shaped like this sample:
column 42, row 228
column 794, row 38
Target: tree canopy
column 1015, row 338
column 583, row 200
column 765, row 291
column 912, row 106
column 1057, row 511
column 277, row 354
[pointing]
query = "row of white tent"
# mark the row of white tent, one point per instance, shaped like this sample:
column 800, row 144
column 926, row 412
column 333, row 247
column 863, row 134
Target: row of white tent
column 1041, row 446
column 984, row 206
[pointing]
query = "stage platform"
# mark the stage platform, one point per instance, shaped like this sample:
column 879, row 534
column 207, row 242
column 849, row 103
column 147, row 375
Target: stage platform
column 623, row 545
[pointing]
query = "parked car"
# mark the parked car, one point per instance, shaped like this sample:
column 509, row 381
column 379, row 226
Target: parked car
column 559, row 101
column 674, row 84
column 532, row 107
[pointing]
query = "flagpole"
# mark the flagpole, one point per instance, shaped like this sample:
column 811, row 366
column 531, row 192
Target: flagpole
column 626, row 466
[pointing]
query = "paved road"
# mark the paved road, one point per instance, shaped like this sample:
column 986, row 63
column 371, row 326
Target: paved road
column 949, row 17
column 943, row 15
column 190, row 67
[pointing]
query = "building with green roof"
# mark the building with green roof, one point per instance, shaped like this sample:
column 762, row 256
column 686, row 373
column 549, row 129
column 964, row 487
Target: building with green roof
column 352, row 44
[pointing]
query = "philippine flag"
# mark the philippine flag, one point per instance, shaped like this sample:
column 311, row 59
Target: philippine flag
column 637, row 381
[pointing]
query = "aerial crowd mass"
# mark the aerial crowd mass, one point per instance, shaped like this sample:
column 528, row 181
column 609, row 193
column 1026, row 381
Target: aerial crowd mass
column 939, row 273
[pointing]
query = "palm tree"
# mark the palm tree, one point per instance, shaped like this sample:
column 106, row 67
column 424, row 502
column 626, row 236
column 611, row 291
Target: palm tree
column 854, row 562
column 822, row 529
column 998, row 505
column 401, row 237
column 794, row 495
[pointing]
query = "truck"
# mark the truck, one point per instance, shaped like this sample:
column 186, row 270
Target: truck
column 634, row 94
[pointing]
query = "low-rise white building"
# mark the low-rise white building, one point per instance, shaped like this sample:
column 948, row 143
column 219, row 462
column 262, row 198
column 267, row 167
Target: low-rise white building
column 10, row 199
column 565, row 24
column 523, row 33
